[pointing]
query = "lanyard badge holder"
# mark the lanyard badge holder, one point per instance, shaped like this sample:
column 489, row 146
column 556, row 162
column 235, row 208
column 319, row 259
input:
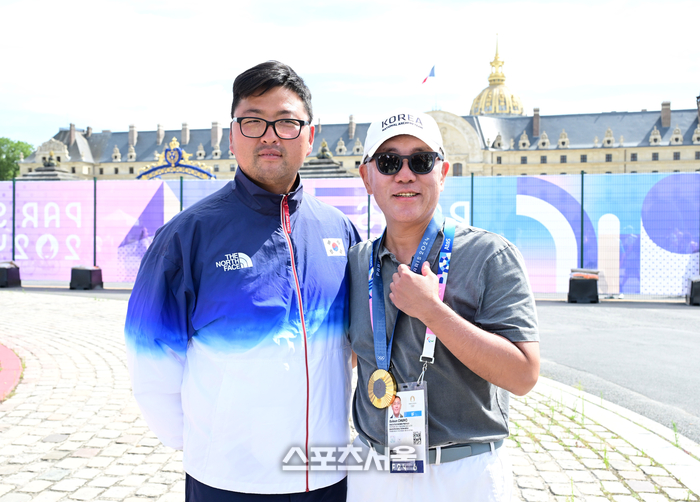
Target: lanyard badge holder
column 407, row 417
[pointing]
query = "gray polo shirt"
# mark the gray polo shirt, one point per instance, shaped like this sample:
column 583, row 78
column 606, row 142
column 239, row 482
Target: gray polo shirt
column 487, row 286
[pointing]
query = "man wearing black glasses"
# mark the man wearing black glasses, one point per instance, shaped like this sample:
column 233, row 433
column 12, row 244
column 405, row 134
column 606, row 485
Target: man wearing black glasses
column 236, row 325
column 451, row 350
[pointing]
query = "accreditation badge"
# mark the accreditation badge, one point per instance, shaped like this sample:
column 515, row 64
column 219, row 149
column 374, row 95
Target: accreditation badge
column 407, row 429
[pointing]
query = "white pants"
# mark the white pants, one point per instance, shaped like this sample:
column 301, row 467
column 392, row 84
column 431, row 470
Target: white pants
column 487, row 477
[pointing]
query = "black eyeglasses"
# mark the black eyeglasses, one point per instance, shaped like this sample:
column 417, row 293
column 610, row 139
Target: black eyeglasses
column 254, row 127
column 419, row 163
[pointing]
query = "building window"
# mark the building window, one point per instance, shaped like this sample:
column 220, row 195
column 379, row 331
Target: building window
column 633, row 172
column 562, row 159
column 498, row 160
column 232, row 167
column 523, row 160
column 116, row 170
column 457, row 169
column 608, row 172
column 29, row 170
column 72, row 169
column 697, row 155
column 102, row 170
column 543, row 159
column 655, row 156
column 357, row 164
column 584, row 158
column 543, row 174
column 608, row 157
column 58, row 159
column 655, row 171
column 131, row 170
column 216, row 168
column 676, row 155
column 676, row 170
column 523, row 174
column 498, row 174
column 633, row 157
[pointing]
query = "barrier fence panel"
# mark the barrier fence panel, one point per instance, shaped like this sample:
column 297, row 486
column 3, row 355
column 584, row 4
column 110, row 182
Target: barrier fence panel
column 6, row 220
column 641, row 231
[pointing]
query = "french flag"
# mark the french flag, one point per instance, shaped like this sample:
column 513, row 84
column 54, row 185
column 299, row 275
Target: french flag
column 431, row 74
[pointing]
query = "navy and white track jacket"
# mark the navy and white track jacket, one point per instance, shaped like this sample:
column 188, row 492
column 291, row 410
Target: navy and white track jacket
column 235, row 336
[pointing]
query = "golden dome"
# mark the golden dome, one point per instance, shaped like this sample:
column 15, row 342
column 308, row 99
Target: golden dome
column 497, row 99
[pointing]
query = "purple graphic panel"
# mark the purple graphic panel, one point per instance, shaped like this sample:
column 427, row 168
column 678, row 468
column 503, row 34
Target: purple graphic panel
column 5, row 220
column 128, row 216
column 54, row 228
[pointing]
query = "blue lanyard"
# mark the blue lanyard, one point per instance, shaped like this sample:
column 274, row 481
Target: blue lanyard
column 382, row 351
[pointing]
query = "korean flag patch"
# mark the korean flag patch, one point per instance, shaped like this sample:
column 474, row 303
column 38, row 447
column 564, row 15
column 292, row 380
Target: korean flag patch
column 334, row 247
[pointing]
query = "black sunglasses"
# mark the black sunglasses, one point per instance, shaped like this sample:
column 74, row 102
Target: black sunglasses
column 419, row 163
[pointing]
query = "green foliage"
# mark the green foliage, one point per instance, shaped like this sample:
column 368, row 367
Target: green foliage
column 9, row 155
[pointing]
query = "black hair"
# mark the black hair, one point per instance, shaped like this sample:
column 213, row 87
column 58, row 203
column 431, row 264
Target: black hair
column 261, row 78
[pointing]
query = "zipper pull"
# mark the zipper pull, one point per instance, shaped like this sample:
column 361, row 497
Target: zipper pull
column 286, row 223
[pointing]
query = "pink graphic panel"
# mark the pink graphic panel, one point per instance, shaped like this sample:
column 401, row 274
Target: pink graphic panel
column 5, row 220
column 128, row 215
column 53, row 228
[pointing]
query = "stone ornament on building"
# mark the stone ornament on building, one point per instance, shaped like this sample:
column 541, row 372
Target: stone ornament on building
column 609, row 139
column 544, row 140
column 498, row 142
column 563, row 139
column 340, row 147
column 200, row 152
column 622, row 140
column 655, row 137
column 524, row 141
column 58, row 148
column 357, row 148
column 131, row 155
column 216, row 154
column 677, row 136
column 696, row 135
column 116, row 154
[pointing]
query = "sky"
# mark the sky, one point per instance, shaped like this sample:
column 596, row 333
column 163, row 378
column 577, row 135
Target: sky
column 109, row 64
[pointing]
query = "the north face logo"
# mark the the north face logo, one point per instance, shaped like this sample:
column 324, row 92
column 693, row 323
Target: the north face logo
column 235, row 261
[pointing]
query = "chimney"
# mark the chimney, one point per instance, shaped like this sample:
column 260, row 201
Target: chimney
column 351, row 128
column 666, row 114
column 160, row 134
column 536, row 123
column 71, row 135
column 185, row 136
column 88, row 132
column 216, row 133
column 318, row 126
column 133, row 135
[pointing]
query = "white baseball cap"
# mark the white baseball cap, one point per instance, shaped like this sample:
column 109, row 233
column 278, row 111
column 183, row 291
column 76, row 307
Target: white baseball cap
column 403, row 121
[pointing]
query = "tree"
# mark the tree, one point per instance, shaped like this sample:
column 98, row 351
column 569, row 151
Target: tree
column 9, row 155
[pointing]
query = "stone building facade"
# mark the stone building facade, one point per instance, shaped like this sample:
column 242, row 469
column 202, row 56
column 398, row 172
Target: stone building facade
column 496, row 139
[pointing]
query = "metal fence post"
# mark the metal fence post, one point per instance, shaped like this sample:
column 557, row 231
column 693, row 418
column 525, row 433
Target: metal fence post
column 581, row 262
column 471, row 203
column 13, row 217
column 94, row 222
column 181, row 182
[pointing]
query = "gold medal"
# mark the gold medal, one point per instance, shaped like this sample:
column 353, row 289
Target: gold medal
column 381, row 388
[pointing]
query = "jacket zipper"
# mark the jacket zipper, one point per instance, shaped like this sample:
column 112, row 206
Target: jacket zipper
column 287, row 226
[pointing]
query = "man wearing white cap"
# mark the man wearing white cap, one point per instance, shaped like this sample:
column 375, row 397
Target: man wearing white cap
column 451, row 350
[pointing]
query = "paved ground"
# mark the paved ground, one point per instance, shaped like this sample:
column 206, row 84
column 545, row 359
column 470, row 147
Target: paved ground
column 640, row 355
column 72, row 431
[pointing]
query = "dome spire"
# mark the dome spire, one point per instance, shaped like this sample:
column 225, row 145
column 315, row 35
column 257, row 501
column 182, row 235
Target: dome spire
column 497, row 77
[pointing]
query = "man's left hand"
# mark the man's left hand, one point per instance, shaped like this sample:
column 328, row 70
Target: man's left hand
column 416, row 295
